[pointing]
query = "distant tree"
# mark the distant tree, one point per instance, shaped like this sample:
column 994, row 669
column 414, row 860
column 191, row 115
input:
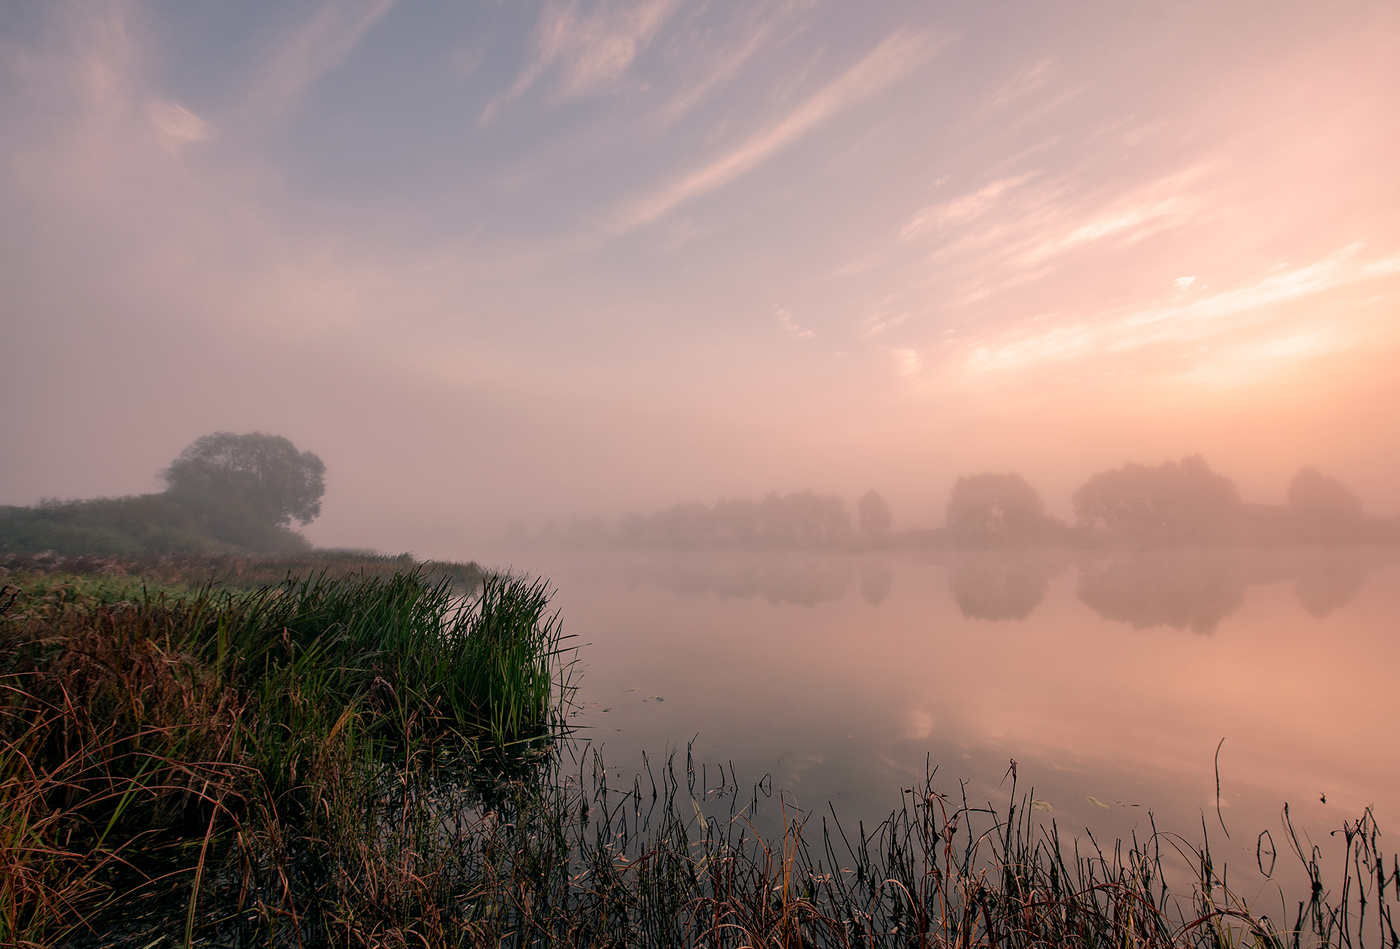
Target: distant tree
column 873, row 514
column 1172, row 503
column 802, row 519
column 680, row 525
column 995, row 510
column 257, row 478
column 1323, row 509
column 735, row 522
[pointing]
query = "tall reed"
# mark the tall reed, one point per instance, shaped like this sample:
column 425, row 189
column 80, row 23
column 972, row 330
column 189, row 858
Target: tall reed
column 135, row 729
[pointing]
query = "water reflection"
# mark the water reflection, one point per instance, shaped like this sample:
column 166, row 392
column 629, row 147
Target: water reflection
column 876, row 581
column 1002, row 584
column 1196, row 589
column 842, row 702
column 1185, row 589
column 1181, row 589
column 800, row 579
column 1329, row 579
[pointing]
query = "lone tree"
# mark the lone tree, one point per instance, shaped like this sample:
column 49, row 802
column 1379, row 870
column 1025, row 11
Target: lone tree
column 873, row 514
column 247, row 485
column 996, row 510
column 1324, row 510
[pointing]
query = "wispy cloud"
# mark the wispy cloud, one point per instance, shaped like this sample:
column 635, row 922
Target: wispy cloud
column 789, row 323
column 1016, row 230
column 1192, row 327
column 319, row 45
column 590, row 51
column 960, row 209
column 1130, row 221
column 1028, row 80
column 174, row 124
column 893, row 59
column 718, row 70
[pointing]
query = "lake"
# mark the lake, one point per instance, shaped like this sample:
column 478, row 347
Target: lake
column 1110, row 679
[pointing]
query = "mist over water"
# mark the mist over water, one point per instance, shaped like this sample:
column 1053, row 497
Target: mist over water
column 1110, row 680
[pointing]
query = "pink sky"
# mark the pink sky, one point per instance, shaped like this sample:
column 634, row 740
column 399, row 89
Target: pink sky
column 519, row 261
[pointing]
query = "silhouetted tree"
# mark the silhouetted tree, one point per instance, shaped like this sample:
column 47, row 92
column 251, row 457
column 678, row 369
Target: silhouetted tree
column 246, row 488
column 226, row 492
column 996, row 510
column 736, row 521
column 1322, row 509
column 873, row 514
column 1171, row 503
column 803, row 519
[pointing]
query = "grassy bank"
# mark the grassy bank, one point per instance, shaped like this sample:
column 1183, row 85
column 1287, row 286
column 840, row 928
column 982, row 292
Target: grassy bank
column 369, row 759
column 182, row 573
column 147, row 735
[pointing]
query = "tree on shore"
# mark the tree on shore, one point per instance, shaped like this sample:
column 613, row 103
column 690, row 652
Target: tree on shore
column 873, row 514
column 247, row 489
column 1323, row 509
column 1173, row 503
column 265, row 474
column 225, row 492
column 996, row 510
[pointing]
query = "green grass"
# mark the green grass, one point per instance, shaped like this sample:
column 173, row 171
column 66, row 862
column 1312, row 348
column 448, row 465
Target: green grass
column 136, row 525
column 137, row 720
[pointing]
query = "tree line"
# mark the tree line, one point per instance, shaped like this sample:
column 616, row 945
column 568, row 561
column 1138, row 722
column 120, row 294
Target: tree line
column 230, row 493
column 1174, row 504
column 802, row 519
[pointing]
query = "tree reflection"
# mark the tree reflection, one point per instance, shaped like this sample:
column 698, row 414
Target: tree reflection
column 1329, row 579
column 1001, row 585
column 1182, row 589
column 876, row 581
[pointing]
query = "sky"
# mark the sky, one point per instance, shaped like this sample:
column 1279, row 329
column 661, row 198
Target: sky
column 503, row 261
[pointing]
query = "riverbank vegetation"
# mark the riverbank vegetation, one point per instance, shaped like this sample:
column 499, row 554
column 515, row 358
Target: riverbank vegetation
column 158, row 740
column 225, row 494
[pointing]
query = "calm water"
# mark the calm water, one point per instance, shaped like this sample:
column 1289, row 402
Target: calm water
column 1111, row 680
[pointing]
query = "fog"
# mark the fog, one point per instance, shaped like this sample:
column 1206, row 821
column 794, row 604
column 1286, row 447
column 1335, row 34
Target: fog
column 508, row 265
